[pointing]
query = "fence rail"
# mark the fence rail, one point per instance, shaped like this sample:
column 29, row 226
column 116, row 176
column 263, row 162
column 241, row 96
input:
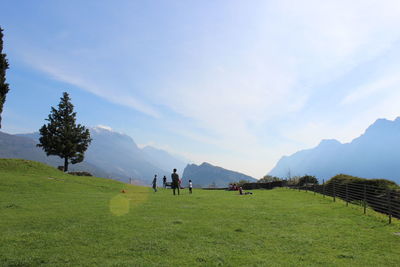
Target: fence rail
column 383, row 200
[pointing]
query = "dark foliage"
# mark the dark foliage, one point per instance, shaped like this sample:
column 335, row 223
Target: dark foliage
column 240, row 182
column 268, row 179
column 3, row 67
column 268, row 185
column 308, row 179
column 62, row 136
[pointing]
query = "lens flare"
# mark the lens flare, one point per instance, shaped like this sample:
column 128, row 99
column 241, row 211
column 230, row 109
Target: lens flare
column 127, row 199
column 119, row 205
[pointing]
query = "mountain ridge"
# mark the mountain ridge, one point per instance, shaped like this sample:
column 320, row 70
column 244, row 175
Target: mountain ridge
column 206, row 174
column 371, row 155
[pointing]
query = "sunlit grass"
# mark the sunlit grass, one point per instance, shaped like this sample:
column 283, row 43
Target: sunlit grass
column 47, row 217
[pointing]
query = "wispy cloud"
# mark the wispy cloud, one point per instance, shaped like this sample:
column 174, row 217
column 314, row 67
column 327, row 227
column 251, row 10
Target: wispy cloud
column 389, row 84
column 72, row 73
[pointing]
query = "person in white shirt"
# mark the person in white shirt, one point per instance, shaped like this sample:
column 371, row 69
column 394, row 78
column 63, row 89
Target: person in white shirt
column 190, row 186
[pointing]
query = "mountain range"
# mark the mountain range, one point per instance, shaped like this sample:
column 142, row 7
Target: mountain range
column 111, row 155
column 116, row 155
column 206, row 175
column 164, row 160
column 374, row 154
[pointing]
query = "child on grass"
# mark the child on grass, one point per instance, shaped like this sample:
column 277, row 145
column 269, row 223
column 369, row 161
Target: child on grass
column 190, row 186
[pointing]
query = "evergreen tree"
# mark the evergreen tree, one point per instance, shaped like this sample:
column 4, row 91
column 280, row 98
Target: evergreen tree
column 3, row 67
column 62, row 136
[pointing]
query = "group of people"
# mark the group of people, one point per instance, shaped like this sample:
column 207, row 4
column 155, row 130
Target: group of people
column 175, row 185
column 234, row 187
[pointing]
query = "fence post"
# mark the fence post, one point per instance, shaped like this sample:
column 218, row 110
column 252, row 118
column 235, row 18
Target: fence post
column 347, row 195
column 334, row 192
column 314, row 189
column 365, row 198
column 323, row 187
column 389, row 200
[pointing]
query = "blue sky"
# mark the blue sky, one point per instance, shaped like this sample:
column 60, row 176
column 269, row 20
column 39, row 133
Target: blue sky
column 234, row 83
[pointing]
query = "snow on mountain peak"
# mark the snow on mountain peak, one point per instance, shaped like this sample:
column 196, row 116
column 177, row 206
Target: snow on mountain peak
column 103, row 127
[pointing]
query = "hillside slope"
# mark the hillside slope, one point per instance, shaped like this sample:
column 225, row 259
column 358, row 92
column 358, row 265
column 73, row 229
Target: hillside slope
column 31, row 177
column 21, row 147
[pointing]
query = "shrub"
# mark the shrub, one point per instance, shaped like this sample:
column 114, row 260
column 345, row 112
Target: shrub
column 240, row 183
column 293, row 180
column 268, row 179
column 307, row 179
column 343, row 179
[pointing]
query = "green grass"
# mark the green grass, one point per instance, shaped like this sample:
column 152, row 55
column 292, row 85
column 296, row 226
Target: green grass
column 50, row 218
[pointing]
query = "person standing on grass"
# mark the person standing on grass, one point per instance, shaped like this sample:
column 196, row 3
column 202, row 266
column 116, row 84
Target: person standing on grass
column 164, row 181
column 155, row 183
column 190, row 186
column 175, row 181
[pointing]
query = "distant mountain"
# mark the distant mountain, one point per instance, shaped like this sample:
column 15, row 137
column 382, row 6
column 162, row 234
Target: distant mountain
column 12, row 146
column 119, row 154
column 163, row 159
column 115, row 153
column 207, row 174
column 375, row 154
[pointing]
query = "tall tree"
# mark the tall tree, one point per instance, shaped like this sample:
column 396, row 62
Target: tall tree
column 3, row 67
column 62, row 136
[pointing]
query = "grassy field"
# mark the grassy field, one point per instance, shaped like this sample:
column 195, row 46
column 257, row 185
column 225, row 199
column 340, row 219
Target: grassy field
column 49, row 218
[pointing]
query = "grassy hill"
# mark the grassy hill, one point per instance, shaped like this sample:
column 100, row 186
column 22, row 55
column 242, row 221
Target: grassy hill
column 48, row 217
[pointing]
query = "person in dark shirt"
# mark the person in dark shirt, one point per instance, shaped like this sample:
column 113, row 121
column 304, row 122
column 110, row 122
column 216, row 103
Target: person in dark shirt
column 164, row 179
column 155, row 183
column 175, row 181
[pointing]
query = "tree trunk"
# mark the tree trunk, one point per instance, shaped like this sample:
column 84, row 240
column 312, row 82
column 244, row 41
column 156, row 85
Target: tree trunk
column 65, row 164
